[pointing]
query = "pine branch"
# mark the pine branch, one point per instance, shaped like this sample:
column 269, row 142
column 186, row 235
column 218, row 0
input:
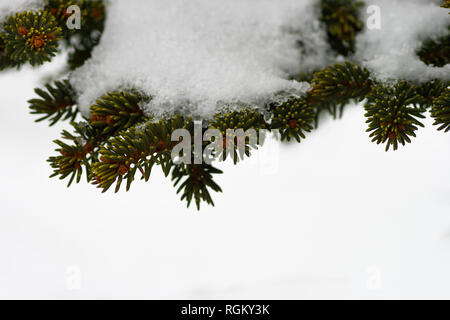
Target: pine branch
column 117, row 111
column 80, row 41
column 430, row 91
column 340, row 83
column 4, row 60
column 227, row 122
column 342, row 21
column 138, row 148
column 82, row 153
column 58, row 9
column 31, row 37
column 85, row 147
column 392, row 114
column 293, row 118
column 55, row 103
column 114, row 112
column 436, row 52
column 198, row 180
column 93, row 14
column 440, row 111
column 336, row 110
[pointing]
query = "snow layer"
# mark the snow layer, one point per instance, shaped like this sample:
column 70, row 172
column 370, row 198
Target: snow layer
column 8, row 7
column 198, row 54
column 390, row 52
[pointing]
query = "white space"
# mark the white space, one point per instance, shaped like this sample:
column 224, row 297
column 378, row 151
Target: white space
column 340, row 219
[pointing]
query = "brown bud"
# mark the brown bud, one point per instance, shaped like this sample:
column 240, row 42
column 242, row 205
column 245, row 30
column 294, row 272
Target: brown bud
column 123, row 169
column 22, row 31
column 293, row 123
column 37, row 41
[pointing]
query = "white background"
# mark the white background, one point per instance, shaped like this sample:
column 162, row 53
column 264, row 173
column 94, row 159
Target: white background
column 339, row 218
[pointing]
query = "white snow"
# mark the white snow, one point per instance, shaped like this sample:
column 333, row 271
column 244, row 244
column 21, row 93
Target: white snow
column 390, row 52
column 8, row 7
column 200, row 54
column 196, row 54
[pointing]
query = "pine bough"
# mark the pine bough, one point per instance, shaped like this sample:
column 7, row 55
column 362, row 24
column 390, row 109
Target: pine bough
column 119, row 142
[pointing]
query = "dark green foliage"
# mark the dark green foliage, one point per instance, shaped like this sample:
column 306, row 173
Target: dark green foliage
column 198, row 180
column 342, row 21
column 81, row 50
column 340, row 83
column 31, row 37
column 92, row 14
column 118, row 110
column 436, row 52
column 4, row 61
column 431, row 90
column 446, row 4
column 81, row 42
column 72, row 158
column 234, row 119
column 114, row 112
column 138, row 148
column 58, row 9
column 440, row 111
column 336, row 110
column 56, row 102
column 293, row 118
column 227, row 122
column 392, row 114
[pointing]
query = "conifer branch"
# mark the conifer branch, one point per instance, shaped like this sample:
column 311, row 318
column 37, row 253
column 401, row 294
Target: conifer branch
column 4, row 61
column 340, row 83
column 31, row 37
column 114, row 112
column 117, row 111
column 82, row 153
column 293, row 118
column 81, row 41
column 436, row 52
column 58, row 9
column 227, row 121
column 440, row 111
column 430, row 91
column 392, row 114
column 198, row 180
column 57, row 102
column 342, row 22
column 138, row 148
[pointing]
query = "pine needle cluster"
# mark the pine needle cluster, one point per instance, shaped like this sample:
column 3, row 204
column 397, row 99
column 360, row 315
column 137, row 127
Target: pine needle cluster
column 35, row 37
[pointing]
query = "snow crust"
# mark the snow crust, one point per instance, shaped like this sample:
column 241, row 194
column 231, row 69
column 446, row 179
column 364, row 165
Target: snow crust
column 8, row 7
column 200, row 54
column 390, row 52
